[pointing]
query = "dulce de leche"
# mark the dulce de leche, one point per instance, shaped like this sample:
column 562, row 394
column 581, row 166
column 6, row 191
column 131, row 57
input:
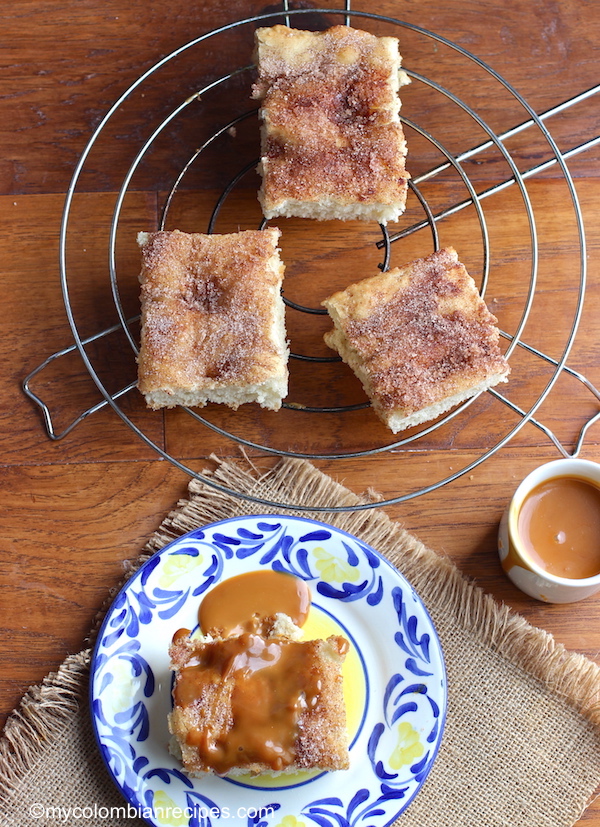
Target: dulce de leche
column 243, row 603
column 559, row 527
column 249, row 698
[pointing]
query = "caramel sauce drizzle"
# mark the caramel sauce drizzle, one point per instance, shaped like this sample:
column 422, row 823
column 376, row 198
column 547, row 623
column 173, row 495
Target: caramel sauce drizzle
column 258, row 686
column 267, row 685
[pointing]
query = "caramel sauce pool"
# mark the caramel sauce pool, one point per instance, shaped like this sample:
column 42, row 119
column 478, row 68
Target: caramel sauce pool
column 239, row 604
column 559, row 526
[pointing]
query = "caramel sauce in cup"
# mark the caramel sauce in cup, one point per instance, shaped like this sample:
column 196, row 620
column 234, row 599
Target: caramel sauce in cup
column 559, row 526
column 549, row 538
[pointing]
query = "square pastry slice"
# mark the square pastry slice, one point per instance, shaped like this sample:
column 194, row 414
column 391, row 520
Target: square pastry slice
column 212, row 319
column 332, row 145
column 419, row 337
column 260, row 705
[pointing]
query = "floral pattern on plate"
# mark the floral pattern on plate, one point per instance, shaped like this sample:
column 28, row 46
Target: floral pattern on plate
column 395, row 682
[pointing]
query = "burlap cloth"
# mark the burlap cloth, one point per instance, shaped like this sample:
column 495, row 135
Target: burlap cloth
column 522, row 740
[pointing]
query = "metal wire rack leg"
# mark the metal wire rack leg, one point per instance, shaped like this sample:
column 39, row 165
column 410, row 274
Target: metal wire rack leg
column 39, row 402
column 544, row 428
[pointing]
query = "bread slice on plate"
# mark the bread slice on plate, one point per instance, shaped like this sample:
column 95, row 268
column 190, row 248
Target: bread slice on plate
column 419, row 337
column 261, row 705
column 333, row 146
column 212, row 319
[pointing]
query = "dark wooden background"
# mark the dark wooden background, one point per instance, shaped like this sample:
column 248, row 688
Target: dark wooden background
column 73, row 511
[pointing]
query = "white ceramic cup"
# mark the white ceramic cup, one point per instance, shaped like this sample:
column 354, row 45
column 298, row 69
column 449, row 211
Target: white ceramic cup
column 518, row 566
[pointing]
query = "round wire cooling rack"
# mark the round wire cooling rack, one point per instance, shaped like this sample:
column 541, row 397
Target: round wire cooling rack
column 448, row 165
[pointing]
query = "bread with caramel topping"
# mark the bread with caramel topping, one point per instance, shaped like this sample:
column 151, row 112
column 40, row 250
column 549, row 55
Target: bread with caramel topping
column 419, row 337
column 228, row 703
column 212, row 319
column 332, row 145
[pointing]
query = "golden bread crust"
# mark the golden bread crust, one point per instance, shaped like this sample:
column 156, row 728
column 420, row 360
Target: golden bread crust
column 332, row 141
column 210, row 315
column 416, row 336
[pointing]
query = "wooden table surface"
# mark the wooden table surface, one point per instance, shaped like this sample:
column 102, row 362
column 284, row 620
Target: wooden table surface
column 74, row 510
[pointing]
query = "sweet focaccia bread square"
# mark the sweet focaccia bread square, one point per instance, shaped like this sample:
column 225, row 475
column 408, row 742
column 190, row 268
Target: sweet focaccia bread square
column 332, row 145
column 240, row 707
column 212, row 319
column 419, row 337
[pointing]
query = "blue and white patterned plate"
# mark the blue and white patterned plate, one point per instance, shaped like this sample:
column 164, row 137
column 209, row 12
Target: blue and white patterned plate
column 394, row 679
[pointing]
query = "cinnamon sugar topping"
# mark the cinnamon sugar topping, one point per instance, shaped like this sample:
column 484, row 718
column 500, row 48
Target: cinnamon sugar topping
column 208, row 310
column 331, row 130
column 417, row 334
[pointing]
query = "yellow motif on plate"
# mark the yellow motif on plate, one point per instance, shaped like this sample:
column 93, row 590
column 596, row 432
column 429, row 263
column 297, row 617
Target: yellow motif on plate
column 168, row 813
column 290, row 821
column 123, row 687
column 332, row 569
column 175, row 567
column 409, row 746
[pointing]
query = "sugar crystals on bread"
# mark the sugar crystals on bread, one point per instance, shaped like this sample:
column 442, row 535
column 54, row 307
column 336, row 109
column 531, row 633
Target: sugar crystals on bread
column 419, row 337
column 212, row 319
column 332, row 141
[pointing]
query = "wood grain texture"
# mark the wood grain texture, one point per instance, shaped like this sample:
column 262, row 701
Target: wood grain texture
column 75, row 510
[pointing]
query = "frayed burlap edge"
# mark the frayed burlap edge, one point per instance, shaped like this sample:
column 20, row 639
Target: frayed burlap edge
column 39, row 719
column 45, row 709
